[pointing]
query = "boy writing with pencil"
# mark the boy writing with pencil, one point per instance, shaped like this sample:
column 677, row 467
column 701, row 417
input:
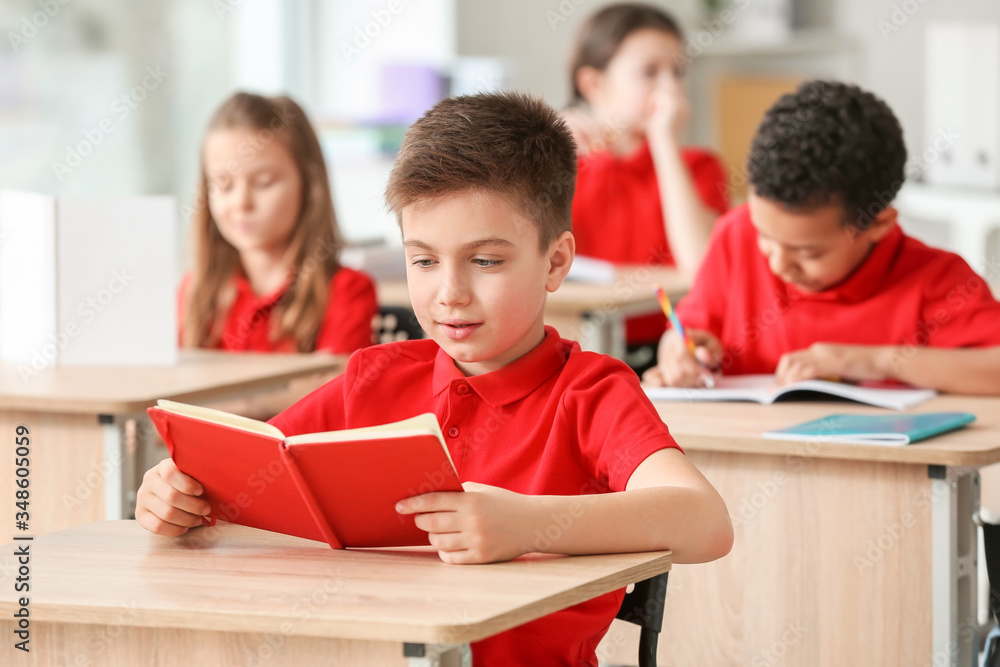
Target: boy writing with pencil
column 559, row 449
column 813, row 277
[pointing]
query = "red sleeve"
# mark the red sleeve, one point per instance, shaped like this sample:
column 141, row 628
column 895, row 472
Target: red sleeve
column 352, row 304
column 617, row 426
column 709, row 177
column 704, row 306
column 323, row 409
column 959, row 310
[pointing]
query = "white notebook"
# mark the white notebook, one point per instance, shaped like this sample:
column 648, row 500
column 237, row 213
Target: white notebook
column 763, row 389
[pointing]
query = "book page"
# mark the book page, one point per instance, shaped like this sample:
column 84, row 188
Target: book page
column 885, row 439
column 895, row 398
column 757, row 388
column 764, row 389
column 220, row 417
column 423, row 424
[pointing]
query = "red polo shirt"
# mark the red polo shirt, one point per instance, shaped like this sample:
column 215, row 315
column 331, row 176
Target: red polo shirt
column 346, row 327
column 905, row 293
column 557, row 421
column 618, row 216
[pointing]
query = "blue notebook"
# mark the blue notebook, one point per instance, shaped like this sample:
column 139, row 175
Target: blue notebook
column 874, row 429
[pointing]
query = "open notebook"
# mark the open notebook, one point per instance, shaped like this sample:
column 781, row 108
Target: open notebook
column 340, row 487
column 874, row 429
column 763, row 389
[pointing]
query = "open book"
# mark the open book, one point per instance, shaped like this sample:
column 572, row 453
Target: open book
column 764, row 389
column 874, row 429
column 339, row 487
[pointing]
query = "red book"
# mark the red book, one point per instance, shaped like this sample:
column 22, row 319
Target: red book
column 339, row 487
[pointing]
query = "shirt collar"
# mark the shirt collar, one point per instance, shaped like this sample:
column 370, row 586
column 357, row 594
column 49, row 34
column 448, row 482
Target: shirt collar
column 867, row 278
column 244, row 292
column 512, row 382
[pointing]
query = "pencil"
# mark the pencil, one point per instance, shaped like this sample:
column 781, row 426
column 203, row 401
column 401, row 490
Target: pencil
column 674, row 320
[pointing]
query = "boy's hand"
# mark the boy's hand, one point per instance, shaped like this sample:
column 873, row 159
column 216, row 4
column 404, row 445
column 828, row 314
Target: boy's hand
column 830, row 360
column 167, row 502
column 485, row 524
column 676, row 367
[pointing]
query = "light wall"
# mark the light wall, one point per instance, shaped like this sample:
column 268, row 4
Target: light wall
column 538, row 36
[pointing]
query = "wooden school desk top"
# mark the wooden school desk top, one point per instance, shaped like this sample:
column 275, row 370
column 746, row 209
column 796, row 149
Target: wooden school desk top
column 738, row 427
column 199, row 375
column 231, row 578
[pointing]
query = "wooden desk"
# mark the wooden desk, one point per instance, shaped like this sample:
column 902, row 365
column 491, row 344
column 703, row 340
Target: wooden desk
column 844, row 554
column 594, row 315
column 112, row 594
column 81, row 469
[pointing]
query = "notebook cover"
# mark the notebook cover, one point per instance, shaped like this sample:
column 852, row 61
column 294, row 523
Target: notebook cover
column 911, row 427
column 357, row 484
column 243, row 473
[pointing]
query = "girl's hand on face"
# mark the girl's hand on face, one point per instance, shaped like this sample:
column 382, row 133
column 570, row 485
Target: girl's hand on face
column 670, row 111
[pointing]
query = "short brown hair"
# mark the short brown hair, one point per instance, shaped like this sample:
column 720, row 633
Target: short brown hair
column 603, row 33
column 507, row 144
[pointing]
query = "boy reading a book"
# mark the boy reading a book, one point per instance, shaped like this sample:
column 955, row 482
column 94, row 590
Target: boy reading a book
column 813, row 277
column 559, row 449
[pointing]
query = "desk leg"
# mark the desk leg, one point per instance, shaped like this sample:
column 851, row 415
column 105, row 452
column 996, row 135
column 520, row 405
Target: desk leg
column 604, row 333
column 438, row 655
column 954, row 539
column 120, row 438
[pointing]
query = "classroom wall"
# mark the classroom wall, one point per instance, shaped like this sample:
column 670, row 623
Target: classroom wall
column 889, row 60
column 893, row 56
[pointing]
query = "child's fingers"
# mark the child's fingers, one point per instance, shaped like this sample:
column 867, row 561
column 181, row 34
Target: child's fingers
column 156, row 487
column 158, row 526
column 705, row 357
column 793, row 368
column 653, row 377
column 428, row 502
column 708, row 342
column 437, row 522
column 171, row 514
column 170, row 473
column 683, row 372
column 460, row 557
column 447, row 541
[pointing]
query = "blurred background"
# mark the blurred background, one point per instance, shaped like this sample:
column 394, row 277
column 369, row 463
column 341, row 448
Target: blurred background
column 109, row 97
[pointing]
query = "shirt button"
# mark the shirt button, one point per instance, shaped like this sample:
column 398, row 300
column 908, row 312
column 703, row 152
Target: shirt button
column 463, row 389
column 453, row 432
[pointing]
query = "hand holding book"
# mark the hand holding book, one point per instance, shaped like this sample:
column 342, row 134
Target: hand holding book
column 340, row 487
column 169, row 503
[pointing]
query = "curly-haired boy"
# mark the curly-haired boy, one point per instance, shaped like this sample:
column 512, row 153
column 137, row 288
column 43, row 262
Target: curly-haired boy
column 813, row 277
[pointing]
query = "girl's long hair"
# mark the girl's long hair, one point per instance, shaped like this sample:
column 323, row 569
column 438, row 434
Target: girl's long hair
column 313, row 248
column 603, row 33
